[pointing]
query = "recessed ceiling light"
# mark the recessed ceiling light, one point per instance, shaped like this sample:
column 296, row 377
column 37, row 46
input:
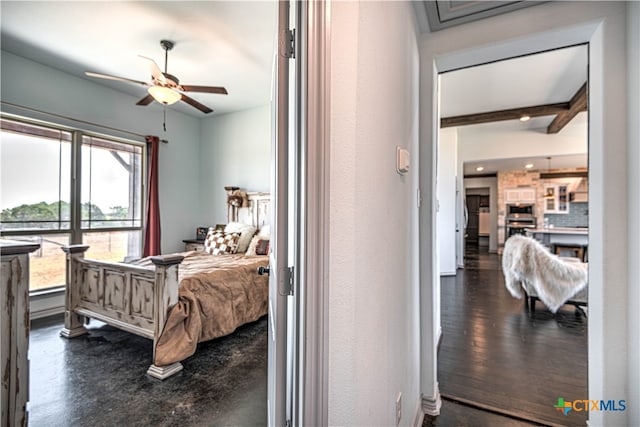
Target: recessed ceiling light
column 525, row 118
column 528, row 165
column 479, row 168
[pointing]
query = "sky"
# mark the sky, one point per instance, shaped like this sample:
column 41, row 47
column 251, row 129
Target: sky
column 35, row 178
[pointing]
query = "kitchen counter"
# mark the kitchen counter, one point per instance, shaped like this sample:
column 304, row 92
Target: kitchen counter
column 561, row 230
column 561, row 236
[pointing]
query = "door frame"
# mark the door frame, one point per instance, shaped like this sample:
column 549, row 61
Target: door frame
column 307, row 359
column 315, row 36
column 606, row 74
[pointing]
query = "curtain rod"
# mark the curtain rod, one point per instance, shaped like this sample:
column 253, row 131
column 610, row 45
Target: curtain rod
column 77, row 120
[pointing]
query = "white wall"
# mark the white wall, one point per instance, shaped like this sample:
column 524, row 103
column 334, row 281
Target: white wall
column 633, row 196
column 373, row 297
column 447, row 174
column 546, row 26
column 235, row 150
column 29, row 84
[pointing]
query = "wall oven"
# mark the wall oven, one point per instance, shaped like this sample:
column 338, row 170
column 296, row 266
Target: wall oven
column 519, row 218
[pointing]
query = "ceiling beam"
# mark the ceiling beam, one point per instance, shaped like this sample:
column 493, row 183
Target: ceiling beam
column 512, row 114
column 554, row 175
column 564, row 112
column 577, row 105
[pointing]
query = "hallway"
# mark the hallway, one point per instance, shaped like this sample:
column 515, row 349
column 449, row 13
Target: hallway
column 497, row 356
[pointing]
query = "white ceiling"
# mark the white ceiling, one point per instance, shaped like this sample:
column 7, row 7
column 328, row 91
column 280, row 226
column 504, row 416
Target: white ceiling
column 217, row 43
column 545, row 78
column 540, row 164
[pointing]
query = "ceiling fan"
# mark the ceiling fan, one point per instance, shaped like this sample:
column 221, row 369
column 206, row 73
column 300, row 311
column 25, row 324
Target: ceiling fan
column 164, row 87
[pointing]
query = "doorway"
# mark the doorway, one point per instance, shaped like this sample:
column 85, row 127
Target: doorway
column 478, row 227
column 519, row 167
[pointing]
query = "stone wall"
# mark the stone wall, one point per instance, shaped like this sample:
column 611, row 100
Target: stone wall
column 531, row 179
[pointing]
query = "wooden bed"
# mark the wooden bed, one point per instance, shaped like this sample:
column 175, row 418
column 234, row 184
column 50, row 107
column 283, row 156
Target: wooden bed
column 142, row 298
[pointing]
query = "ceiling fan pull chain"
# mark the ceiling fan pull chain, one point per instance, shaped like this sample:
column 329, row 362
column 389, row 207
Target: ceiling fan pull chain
column 164, row 121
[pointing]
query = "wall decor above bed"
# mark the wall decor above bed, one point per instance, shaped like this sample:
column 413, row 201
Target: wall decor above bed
column 177, row 300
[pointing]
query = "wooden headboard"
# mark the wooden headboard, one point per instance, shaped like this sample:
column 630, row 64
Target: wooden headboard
column 257, row 213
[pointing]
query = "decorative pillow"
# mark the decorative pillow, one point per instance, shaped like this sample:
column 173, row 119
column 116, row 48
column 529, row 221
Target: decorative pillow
column 251, row 250
column 246, row 232
column 262, row 248
column 219, row 242
column 263, row 234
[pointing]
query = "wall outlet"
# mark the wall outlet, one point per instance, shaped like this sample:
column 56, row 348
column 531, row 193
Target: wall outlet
column 398, row 409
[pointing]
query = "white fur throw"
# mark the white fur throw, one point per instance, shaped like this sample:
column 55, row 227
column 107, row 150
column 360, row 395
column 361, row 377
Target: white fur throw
column 555, row 281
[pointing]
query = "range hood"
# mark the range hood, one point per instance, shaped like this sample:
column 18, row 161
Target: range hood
column 579, row 192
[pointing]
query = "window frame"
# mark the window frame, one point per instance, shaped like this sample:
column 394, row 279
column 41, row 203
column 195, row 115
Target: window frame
column 75, row 230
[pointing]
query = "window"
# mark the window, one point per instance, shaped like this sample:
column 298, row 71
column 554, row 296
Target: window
column 35, row 190
column 41, row 202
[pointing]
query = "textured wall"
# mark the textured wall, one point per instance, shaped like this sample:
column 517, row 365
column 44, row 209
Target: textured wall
column 373, row 310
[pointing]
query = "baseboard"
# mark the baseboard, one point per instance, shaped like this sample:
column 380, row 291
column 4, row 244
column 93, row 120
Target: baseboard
column 447, row 273
column 45, row 304
column 431, row 405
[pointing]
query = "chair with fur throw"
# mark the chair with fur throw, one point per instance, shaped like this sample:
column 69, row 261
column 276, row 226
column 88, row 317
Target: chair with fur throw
column 554, row 280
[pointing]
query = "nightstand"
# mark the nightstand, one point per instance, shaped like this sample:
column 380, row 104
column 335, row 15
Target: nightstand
column 193, row 245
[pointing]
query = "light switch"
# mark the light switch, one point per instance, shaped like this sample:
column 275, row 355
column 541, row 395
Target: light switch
column 403, row 160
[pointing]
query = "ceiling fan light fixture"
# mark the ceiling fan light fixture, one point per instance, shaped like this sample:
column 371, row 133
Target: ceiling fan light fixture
column 164, row 95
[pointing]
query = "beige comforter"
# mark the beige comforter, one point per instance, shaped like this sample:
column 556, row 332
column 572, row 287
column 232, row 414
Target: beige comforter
column 216, row 295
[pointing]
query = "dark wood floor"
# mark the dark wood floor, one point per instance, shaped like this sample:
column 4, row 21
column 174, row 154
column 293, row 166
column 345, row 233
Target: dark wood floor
column 455, row 414
column 496, row 355
column 99, row 380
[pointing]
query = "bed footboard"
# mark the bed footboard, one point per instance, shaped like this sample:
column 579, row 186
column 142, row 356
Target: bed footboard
column 128, row 297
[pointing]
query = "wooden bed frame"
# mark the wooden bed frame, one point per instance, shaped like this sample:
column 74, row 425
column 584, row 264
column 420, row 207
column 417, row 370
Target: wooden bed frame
column 132, row 298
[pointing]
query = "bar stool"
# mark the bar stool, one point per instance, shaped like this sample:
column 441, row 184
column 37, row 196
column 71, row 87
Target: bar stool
column 575, row 251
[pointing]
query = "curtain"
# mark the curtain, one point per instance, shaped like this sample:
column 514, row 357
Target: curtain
column 152, row 219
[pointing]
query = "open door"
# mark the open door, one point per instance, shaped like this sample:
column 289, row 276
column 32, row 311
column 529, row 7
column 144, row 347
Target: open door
column 284, row 175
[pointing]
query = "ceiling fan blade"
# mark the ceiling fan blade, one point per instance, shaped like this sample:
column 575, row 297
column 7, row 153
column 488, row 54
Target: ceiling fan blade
column 156, row 72
column 109, row 77
column 145, row 101
column 196, row 104
column 205, row 89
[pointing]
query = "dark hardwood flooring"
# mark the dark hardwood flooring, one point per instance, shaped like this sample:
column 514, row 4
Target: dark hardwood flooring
column 497, row 356
column 99, row 380
column 455, row 414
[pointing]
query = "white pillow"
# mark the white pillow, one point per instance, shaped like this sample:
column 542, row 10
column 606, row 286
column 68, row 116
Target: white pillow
column 265, row 232
column 251, row 250
column 246, row 233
